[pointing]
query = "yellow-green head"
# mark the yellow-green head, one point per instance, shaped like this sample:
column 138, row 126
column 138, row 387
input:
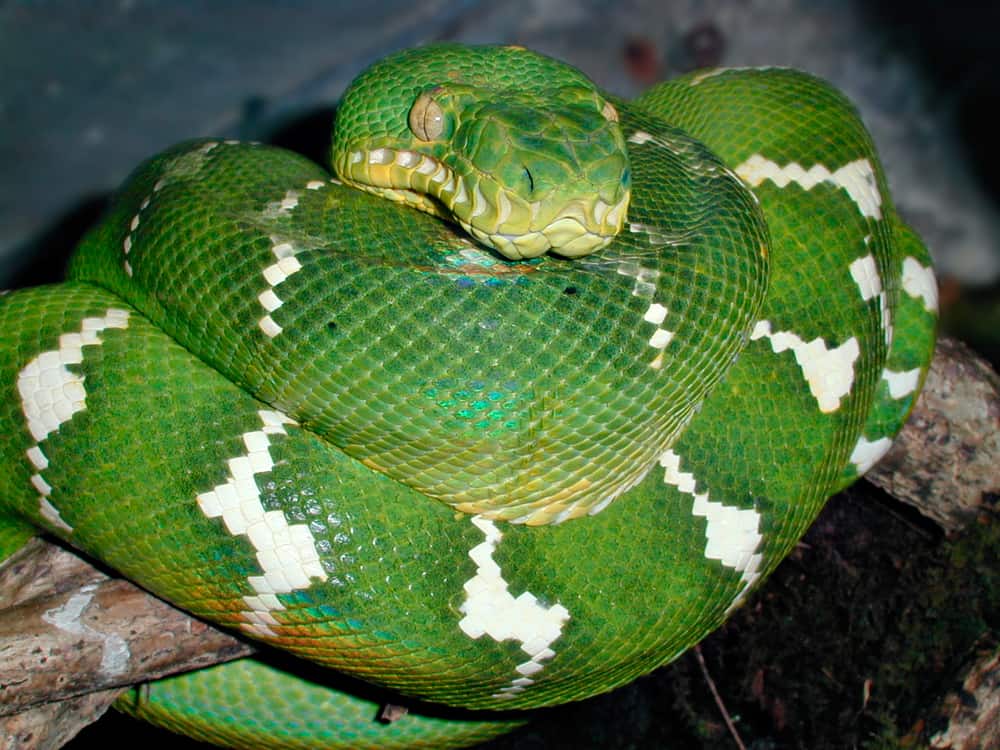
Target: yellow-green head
column 522, row 151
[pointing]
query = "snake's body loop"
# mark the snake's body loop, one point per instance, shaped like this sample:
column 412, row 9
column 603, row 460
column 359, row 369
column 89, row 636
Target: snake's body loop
column 490, row 477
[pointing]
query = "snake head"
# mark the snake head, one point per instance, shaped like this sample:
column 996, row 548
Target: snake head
column 521, row 151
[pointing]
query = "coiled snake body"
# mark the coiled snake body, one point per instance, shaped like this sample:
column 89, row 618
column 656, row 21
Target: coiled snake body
column 493, row 477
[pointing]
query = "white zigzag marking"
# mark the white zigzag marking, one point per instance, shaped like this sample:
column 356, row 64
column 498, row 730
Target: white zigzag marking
column 654, row 235
column 645, row 287
column 868, row 452
column 901, row 383
column 919, row 282
column 645, row 278
column 51, row 395
column 829, row 372
column 287, row 553
column 490, row 609
column 856, row 177
column 865, row 273
column 732, row 534
column 286, row 265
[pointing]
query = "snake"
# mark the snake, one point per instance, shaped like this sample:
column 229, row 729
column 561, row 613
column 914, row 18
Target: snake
column 514, row 405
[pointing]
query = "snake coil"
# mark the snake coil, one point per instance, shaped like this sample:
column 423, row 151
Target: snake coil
column 499, row 461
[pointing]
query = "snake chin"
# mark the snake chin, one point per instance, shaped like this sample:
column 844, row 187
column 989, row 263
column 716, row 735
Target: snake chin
column 565, row 235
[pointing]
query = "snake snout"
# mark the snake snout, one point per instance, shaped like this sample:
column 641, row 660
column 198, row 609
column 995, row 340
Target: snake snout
column 519, row 229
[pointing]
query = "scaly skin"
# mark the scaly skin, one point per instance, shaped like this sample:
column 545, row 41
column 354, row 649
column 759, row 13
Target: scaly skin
column 303, row 411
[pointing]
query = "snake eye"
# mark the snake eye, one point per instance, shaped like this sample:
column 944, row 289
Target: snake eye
column 609, row 112
column 426, row 118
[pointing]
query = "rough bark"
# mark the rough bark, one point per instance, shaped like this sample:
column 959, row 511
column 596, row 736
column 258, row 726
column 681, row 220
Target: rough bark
column 68, row 630
column 52, row 725
column 944, row 463
column 972, row 714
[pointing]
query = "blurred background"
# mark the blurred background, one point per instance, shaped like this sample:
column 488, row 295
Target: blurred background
column 89, row 89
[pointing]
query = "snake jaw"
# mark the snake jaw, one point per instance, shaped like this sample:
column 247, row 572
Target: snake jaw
column 405, row 176
column 494, row 216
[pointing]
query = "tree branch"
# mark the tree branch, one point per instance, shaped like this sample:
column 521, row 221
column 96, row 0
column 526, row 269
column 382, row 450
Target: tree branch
column 944, row 462
column 973, row 713
column 67, row 630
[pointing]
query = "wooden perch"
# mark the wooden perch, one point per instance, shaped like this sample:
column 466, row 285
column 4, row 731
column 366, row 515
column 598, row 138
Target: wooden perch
column 944, row 462
column 973, row 714
column 72, row 638
column 54, row 724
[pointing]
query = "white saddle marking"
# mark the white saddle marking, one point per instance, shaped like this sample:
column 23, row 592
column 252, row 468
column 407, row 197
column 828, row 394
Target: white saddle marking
column 919, row 282
column 286, row 552
column 867, row 453
column 645, row 288
column 901, row 384
column 288, row 203
column 865, row 273
column 856, row 177
column 713, row 72
column 732, row 533
column 276, row 273
column 490, row 609
column 51, row 394
column 828, row 372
